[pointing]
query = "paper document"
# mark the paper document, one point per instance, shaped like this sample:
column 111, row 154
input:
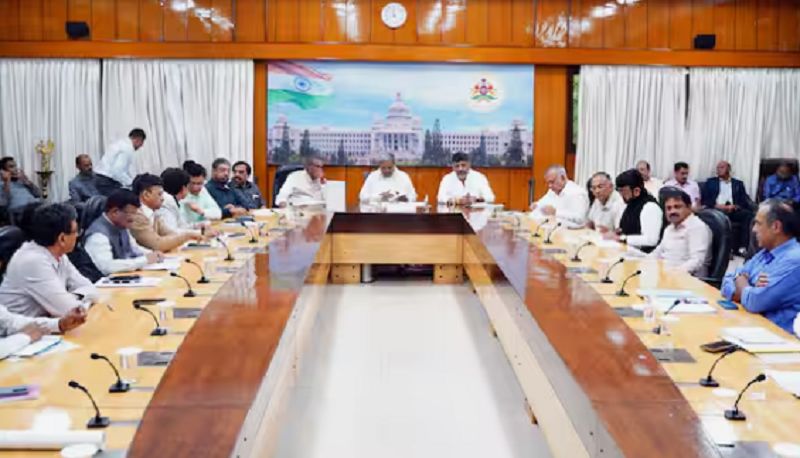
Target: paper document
column 600, row 243
column 38, row 347
column 788, row 380
column 262, row 212
column 144, row 282
column 403, row 207
column 758, row 340
column 673, row 293
column 169, row 263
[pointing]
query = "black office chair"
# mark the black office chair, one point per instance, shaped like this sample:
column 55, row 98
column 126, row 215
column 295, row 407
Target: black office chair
column 280, row 178
column 768, row 167
column 92, row 209
column 23, row 217
column 720, row 227
column 589, row 190
column 11, row 238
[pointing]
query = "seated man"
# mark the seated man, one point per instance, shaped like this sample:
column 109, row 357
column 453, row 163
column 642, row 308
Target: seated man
column 40, row 279
column 18, row 191
column 782, row 184
column 249, row 194
column 198, row 205
column 728, row 195
column 607, row 208
column 640, row 224
column 564, row 200
column 767, row 283
column 464, row 186
column 17, row 331
column 686, row 243
column 387, row 184
column 84, row 185
column 228, row 200
column 147, row 228
column 651, row 183
column 108, row 242
column 681, row 181
column 114, row 172
column 304, row 185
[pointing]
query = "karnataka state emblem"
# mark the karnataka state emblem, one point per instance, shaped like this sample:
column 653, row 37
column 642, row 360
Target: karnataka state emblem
column 484, row 91
column 485, row 95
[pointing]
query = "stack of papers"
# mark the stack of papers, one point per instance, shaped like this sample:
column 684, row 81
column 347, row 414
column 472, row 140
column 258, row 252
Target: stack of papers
column 262, row 212
column 38, row 347
column 662, row 304
column 403, row 207
column 758, row 340
column 144, row 282
column 788, row 380
column 673, row 293
column 169, row 263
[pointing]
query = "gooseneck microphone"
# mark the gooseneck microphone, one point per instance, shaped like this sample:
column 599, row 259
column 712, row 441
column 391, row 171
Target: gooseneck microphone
column 119, row 386
column 228, row 258
column 97, row 421
column 253, row 238
column 577, row 258
column 203, row 278
column 708, row 380
column 736, row 414
column 158, row 331
column 550, row 234
column 189, row 292
column 536, row 232
column 608, row 279
column 622, row 292
column 658, row 329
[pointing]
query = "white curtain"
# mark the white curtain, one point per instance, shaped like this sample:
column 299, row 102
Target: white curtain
column 626, row 114
column 742, row 115
column 53, row 99
column 189, row 109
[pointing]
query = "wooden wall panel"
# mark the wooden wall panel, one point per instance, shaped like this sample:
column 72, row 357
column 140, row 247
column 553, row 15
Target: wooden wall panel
column 31, row 14
column 287, row 16
column 334, row 22
column 430, row 14
column 523, row 22
column 127, row 20
column 658, row 24
column 176, row 24
column 636, row 25
column 358, row 21
column 477, row 29
column 250, row 21
column 552, row 19
column 702, row 17
column 725, row 25
column 789, row 26
column 222, row 25
column 550, row 121
column 103, row 23
column 54, row 14
column 151, row 20
column 680, row 25
column 746, row 24
column 454, row 27
column 767, row 24
column 379, row 33
column 310, row 21
column 499, row 19
column 77, row 10
column 407, row 33
column 614, row 28
column 9, row 20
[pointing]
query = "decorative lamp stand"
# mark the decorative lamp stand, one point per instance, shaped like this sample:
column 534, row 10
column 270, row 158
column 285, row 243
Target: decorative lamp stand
column 45, row 151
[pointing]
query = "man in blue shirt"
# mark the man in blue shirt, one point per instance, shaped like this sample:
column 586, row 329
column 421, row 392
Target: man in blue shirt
column 767, row 283
column 228, row 200
column 783, row 184
column 248, row 192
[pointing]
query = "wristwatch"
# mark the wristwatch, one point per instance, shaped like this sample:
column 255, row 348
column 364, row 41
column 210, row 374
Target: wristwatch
column 623, row 238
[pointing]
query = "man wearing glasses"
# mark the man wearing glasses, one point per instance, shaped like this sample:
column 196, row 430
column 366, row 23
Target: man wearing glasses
column 304, row 185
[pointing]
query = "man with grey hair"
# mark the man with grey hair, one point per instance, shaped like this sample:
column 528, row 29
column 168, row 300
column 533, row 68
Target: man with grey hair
column 767, row 283
column 607, row 208
column 565, row 201
column 387, row 183
column 304, row 185
column 651, row 183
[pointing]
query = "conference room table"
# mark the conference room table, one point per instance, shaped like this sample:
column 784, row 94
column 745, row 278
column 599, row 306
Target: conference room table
column 588, row 373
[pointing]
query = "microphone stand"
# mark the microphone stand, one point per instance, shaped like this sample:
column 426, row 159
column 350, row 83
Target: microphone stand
column 608, row 279
column 158, row 331
column 576, row 258
column 189, row 292
column 228, row 258
column 735, row 414
column 97, row 421
column 550, row 234
column 621, row 292
column 119, row 386
column 203, row 278
column 708, row 381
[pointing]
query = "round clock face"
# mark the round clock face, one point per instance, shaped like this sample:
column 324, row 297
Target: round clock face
column 394, row 15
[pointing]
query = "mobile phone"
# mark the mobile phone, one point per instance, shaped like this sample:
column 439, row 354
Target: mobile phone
column 148, row 301
column 235, row 234
column 727, row 305
column 197, row 245
column 717, row 347
column 8, row 391
column 125, row 278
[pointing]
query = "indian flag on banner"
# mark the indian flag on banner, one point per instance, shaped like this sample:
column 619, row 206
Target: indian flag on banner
column 293, row 82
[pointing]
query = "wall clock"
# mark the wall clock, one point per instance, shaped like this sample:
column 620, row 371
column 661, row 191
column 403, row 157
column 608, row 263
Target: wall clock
column 394, row 15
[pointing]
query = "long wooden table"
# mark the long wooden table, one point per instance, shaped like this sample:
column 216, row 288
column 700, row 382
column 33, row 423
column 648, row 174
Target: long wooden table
column 589, row 378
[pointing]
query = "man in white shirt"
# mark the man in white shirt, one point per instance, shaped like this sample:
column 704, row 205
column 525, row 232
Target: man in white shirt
column 387, row 184
column 464, row 186
column 304, row 185
column 640, row 224
column 651, row 183
column 607, row 208
column 198, row 205
column 17, row 331
column 681, row 181
column 108, row 241
column 114, row 170
column 687, row 239
column 564, row 200
column 40, row 279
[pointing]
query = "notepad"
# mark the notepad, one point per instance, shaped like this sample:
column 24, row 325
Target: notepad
column 755, row 339
column 144, row 282
column 673, row 293
column 787, row 380
column 170, row 263
column 38, row 347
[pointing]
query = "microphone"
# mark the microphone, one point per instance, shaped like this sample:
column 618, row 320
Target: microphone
column 97, row 421
column 621, row 292
column 536, row 232
column 576, row 258
column 119, row 386
column 253, row 238
column 608, row 279
column 228, row 258
column 659, row 328
column 158, row 331
column 550, row 234
column 736, row 414
column 203, row 278
column 708, row 380
column 189, row 292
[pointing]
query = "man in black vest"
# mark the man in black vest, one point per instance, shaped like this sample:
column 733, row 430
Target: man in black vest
column 108, row 242
column 641, row 222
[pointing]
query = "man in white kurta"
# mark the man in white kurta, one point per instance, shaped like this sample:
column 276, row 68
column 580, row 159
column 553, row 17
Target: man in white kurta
column 464, row 186
column 607, row 208
column 565, row 200
column 387, row 184
column 305, row 185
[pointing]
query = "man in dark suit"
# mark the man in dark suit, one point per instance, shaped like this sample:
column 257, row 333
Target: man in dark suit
column 728, row 195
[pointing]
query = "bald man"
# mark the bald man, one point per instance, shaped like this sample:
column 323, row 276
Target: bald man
column 728, row 195
column 83, row 186
column 565, row 200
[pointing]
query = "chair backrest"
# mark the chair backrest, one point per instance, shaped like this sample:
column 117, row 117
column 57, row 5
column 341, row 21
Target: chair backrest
column 531, row 188
column 280, row 178
column 589, row 190
column 11, row 238
column 23, row 218
column 721, row 235
column 92, row 209
column 768, row 167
